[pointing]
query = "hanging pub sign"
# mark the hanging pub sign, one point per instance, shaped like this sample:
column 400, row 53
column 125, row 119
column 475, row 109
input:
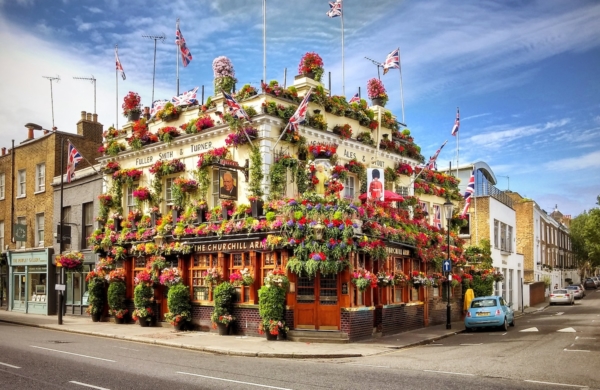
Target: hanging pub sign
column 20, row 232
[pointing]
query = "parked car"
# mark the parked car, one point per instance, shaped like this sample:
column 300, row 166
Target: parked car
column 577, row 291
column 562, row 296
column 490, row 311
column 596, row 280
column 589, row 284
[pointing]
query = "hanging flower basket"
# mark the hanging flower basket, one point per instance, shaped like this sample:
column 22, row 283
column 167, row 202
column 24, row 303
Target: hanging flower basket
column 71, row 262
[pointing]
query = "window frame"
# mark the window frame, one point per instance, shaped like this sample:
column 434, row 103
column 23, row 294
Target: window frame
column 21, row 221
column 66, row 218
column 130, row 204
column 199, row 264
column 347, row 187
column 22, row 183
column 2, row 186
column 40, row 223
column 243, row 293
column 40, row 177
column 87, row 223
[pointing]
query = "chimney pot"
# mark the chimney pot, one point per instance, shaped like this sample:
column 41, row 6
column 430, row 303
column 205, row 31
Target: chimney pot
column 95, row 118
column 30, row 133
column 89, row 116
column 83, row 115
column 46, row 131
column 3, row 151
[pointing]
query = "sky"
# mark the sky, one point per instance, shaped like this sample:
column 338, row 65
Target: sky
column 525, row 73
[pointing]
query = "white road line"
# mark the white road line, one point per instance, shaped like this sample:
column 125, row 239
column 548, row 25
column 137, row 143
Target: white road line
column 366, row 365
column 130, row 349
column 585, row 338
column 556, row 384
column 560, row 313
column 448, row 372
column 71, row 353
column 9, row 365
column 534, row 329
column 472, row 344
column 567, row 330
column 231, row 380
column 86, row 385
column 575, row 350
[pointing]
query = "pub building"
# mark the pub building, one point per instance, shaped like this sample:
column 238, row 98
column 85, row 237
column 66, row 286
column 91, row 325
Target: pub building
column 209, row 193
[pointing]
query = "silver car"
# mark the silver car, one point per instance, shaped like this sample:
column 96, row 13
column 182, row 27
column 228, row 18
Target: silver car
column 562, row 296
column 576, row 290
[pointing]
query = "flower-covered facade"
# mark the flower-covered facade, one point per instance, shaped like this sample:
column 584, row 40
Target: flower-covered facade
column 282, row 200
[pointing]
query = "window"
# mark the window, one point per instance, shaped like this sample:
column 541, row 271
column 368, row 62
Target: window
column 496, row 233
column 129, row 200
column 2, row 185
column 88, row 222
column 239, row 261
column 503, row 245
column 40, row 177
column 509, row 239
column 402, row 190
column 1, row 236
column 169, row 191
column 21, row 221
column 21, row 185
column 349, row 187
column 466, row 230
column 215, row 187
column 400, row 289
column 39, row 230
column 200, row 263
column 66, row 218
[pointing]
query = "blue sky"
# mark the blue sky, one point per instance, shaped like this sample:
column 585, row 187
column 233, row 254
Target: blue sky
column 525, row 74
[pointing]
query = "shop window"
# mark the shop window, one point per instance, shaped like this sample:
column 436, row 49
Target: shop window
column 400, row 290
column 237, row 262
column 200, row 264
column 37, row 286
column 40, row 177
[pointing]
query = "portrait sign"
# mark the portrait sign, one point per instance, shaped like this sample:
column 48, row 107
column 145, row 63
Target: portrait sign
column 228, row 181
column 375, row 184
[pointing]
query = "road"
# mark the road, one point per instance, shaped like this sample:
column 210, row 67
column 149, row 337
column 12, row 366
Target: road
column 558, row 348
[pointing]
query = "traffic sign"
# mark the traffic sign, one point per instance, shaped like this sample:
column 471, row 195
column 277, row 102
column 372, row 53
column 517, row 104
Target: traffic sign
column 446, row 266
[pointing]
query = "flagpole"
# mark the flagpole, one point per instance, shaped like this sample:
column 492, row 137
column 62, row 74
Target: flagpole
column 401, row 89
column 288, row 124
column 265, row 42
column 117, row 82
column 426, row 166
column 343, row 66
column 457, row 145
column 178, row 49
column 82, row 156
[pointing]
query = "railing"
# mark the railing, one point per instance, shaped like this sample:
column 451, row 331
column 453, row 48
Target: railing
column 485, row 188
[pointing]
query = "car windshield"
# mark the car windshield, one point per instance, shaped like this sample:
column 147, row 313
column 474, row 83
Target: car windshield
column 572, row 288
column 484, row 303
column 560, row 291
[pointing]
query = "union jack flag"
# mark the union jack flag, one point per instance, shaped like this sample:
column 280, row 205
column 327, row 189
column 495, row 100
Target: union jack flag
column 235, row 109
column 456, row 123
column 118, row 64
column 73, row 159
column 469, row 191
column 300, row 114
column 432, row 161
column 157, row 105
column 437, row 216
column 392, row 61
column 186, row 55
column 355, row 99
column 424, row 207
column 335, row 9
column 187, row 98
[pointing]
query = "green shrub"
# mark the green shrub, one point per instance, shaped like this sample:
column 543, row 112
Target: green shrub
column 116, row 295
column 178, row 302
column 271, row 304
column 96, row 296
column 481, row 287
column 223, row 299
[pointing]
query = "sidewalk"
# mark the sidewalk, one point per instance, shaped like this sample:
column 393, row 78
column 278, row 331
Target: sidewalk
column 239, row 345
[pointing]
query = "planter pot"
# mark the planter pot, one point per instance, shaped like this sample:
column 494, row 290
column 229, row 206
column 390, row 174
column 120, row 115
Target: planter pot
column 143, row 323
column 96, row 317
column 180, row 326
column 223, row 329
column 271, row 337
column 170, row 117
column 257, row 208
column 119, row 320
column 282, row 335
column 133, row 116
column 377, row 102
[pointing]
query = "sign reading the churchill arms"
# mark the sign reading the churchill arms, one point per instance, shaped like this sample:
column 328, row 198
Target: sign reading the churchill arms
column 228, row 246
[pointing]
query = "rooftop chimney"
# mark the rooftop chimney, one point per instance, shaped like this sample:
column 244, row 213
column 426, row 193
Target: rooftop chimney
column 3, row 151
column 95, row 118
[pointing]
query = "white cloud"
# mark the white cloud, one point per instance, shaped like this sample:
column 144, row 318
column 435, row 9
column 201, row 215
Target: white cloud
column 587, row 161
column 94, row 10
column 496, row 138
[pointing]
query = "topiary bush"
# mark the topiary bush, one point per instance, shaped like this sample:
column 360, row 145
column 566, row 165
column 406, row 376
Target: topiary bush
column 178, row 302
column 223, row 299
column 271, row 306
column 116, row 296
column 96, row 296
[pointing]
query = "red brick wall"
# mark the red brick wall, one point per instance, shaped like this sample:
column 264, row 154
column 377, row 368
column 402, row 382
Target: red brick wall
column 537, row 293
column 357, row 324
column 398, row 318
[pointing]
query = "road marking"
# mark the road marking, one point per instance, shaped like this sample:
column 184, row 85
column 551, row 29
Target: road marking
column 86, row 385
column 575, row 350
column 556, row 384
column 71, row 353
column 448, row 372
column 560, row 313
column 231, row 380
column 585, row 338
column 567, row 330
column 472, row 344
column 534, row 329
column 130, row 349
column 367, row 365
column 9, row 365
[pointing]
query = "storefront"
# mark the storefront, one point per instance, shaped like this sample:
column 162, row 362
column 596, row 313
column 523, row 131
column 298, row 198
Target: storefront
column 31, row 283
column 76, row 295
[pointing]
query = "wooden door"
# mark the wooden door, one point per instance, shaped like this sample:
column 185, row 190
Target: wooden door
column 317, row 303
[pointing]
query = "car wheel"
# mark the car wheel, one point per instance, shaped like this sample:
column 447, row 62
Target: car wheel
column 467, row 329
column 512, row 322
column 505, row 325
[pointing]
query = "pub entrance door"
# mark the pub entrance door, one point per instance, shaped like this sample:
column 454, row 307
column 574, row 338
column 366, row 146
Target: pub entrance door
column 317, row 303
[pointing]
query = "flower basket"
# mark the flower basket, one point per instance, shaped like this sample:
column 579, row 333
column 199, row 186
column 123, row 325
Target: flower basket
column 213, row 276
column 311, row 66
column 131, row 106
column 241, row 278
column 376, row 92
column 71, row 262
column 364, row 279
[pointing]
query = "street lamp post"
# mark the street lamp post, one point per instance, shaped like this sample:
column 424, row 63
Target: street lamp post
column 448, row 208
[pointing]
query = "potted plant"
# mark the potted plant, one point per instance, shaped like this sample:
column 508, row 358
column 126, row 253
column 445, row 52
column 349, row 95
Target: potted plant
column 271, row 305
column 168, row 112
column 95, row 296
column 241, row 277
column 223, row 300
column 132, row 107
column 180, row 307
column 224, row 74
column 71, row 262
column 376, row 92
column 143, row 297
column 116, row 297
column 311, row 66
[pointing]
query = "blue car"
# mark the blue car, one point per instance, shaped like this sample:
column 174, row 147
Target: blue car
column 489, row 311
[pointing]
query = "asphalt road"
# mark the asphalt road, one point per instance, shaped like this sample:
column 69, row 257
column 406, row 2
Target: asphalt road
column 557, row 348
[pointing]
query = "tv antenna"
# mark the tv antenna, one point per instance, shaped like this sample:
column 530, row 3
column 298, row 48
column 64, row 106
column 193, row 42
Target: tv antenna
column 93, row 80
column 155, row 38
column 379, row 65
column 57, row 79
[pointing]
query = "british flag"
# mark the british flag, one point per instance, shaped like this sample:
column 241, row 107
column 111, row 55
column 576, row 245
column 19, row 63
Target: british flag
column 437, row 216
column 300, row 114
column 187, row 98
column 392, row 61
column 355, row 99
column 235, row 109
column 335, row 9
column 186, row 55
column 424, row 207
column 118, row 64
column 73, row 159
column 157, row 105
column 456, row 123
column 432, row 161
column 469, row 191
